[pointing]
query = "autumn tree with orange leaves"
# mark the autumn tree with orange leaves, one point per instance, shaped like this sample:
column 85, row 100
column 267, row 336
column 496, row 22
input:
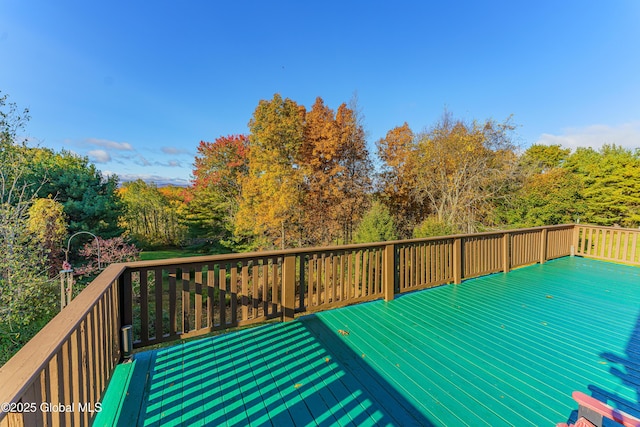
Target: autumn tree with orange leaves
column 319, row 154
column 398, row 151
column 337, row 172
column 355, row 169
column 220, row 167
column 308, row 175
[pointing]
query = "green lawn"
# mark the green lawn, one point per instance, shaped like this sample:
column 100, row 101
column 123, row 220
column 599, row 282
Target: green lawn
column 169, row 253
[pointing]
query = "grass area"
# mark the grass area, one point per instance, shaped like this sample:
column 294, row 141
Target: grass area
column 168, row 253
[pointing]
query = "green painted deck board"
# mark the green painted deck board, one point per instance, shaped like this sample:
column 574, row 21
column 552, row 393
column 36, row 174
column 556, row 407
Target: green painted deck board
column 505, row 349
column 114, row 396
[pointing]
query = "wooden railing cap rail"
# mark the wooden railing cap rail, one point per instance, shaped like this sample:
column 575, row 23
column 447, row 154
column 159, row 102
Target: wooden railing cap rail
column 484, row 233
column 606, row 227
column 21, row 370
column 323, row 249
column 247, row 255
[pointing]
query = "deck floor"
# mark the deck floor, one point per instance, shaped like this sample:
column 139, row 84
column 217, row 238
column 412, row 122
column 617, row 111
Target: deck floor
column 504, row 349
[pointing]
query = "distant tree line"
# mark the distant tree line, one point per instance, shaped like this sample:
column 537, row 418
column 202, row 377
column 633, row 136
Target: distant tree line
column 305, row 178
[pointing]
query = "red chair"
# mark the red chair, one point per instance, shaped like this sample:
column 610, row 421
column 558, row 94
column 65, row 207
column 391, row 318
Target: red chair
column 591, row 412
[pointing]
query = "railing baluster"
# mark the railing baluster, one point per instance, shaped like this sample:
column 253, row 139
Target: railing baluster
column 617, row 251
column 211, row 296
column 334, row 278
column 275, row 297
column 347, row 275
column 264, row 280
column 303, row 285
column 186, row 300
column 245, row 291
column 198, row 298
column 457, row 260
column 234, row 293
column 255, row 289
column 144, row 307
column 222, row 295
column 88, row 360
column 173, row 305
column 343, row 276
column 158, row 289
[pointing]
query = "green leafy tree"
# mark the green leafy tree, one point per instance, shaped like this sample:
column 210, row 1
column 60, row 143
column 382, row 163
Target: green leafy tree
column 547, row 198
column 611, row 182
column 431, row 227
column 177, row 226
column 376, row 225
column 544, row 192
column 27, row 297
column 150, row 217
column 540, row 158
column 90, row 200
column 47, row 223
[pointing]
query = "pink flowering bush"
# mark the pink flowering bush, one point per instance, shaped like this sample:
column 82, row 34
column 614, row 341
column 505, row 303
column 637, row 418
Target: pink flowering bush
column 112, row 250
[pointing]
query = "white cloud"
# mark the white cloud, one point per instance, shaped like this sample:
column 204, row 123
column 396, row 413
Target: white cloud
column 626, row 135
column 169, row 164
column 113, row 145
column 142, row 161
column 174, row 150
column 99, row 156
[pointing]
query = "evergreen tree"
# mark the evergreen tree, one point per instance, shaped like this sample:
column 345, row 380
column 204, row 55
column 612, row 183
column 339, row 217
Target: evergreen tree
column 376, row 225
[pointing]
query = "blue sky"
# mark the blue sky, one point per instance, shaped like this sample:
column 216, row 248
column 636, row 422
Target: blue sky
column 135, row 86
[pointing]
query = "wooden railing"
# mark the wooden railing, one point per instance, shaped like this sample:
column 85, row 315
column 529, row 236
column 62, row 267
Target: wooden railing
column 608, row 243
column 72, row 359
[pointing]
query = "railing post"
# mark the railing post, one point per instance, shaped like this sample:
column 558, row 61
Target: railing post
column 506, row 252
column 389, row 272
column 543, row 246
column 288, row 287
column 457, row 260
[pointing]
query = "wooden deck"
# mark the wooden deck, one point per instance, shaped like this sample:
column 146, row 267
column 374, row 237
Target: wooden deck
column 504, row 349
